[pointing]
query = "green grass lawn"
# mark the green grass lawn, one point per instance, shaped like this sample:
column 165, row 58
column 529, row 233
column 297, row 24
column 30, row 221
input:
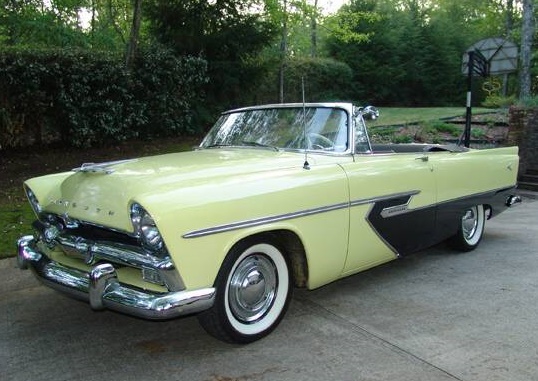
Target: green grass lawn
column 390, row 116
column 15, row 221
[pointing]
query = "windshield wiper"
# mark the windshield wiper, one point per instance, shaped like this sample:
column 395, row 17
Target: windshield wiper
column 218, row 145
column 256, row 144
column 243, row 144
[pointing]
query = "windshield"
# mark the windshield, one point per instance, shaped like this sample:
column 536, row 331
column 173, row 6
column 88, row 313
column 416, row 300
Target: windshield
column 313, row 128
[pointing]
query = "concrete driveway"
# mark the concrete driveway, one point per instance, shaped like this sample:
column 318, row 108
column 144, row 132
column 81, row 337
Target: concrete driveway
column 436, row 315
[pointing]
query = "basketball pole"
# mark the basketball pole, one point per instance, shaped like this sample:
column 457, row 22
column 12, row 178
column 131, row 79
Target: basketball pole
column 469, row 111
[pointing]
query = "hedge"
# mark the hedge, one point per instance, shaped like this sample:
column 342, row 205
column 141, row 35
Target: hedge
column 84, row 98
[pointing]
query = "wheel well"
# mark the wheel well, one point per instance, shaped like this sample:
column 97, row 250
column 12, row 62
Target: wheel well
column 293, row 248
column 488, row 209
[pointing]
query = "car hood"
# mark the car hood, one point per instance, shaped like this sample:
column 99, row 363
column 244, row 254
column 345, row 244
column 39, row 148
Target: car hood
column 101, row 194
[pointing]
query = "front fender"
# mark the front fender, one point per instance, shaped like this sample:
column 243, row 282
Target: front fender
column 208, row 219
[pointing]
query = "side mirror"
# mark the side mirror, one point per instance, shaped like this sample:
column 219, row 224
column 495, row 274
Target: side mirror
column 370, row 112
column 367, row 112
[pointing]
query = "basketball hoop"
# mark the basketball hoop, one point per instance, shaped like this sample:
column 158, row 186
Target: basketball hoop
column 492, row 56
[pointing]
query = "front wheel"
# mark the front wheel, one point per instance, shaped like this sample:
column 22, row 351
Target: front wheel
column 253, row 292
column 470, row 230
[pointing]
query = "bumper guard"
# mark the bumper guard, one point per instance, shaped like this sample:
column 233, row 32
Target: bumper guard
column 101, row 288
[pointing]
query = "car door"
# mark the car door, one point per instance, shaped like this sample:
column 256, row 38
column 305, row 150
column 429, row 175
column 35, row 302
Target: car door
column 392, row 206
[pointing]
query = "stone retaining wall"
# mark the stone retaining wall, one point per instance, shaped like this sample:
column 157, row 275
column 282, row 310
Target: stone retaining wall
column 523, row 132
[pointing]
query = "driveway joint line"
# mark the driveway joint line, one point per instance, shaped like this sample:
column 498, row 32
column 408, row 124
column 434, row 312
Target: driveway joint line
column 374, row 337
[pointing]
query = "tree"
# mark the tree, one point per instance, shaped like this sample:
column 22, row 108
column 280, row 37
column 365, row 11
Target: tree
column 218, row 30
column 283, row 51
column 297, row 21
column 527, row 34
column 314, row 30
column 224, row 32
column 135, row 33
column 38, row 23
column 407, row 54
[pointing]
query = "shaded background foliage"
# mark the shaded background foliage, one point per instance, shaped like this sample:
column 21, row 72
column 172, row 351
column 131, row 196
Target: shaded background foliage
column 405, row 61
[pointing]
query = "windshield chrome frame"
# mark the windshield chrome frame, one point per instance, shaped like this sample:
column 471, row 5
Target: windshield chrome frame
column 347, row 107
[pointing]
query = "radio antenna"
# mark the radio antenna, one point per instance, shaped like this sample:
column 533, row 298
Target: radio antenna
column 305, row 165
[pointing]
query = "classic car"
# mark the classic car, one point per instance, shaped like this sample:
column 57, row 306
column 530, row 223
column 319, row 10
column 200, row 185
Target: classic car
column 275, row 197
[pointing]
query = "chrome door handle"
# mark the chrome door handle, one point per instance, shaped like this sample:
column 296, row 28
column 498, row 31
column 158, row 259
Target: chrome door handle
column 423, row 158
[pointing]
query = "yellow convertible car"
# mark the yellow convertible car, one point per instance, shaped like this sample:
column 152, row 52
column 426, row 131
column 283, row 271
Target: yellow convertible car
column 275, row 197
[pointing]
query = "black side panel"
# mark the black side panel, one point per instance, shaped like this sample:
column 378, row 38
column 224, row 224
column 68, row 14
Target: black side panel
column 449, row 213
column 412, row 230
column 405, row 232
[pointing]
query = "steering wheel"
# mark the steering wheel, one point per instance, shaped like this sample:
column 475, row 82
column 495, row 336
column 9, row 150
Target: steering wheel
column 320, row 142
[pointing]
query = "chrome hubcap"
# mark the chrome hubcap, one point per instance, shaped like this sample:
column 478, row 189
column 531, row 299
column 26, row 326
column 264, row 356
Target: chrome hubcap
column 252, row 288
column 469, row 223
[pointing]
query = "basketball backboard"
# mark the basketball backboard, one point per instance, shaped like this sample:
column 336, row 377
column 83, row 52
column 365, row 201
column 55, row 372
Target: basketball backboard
column 502, row 55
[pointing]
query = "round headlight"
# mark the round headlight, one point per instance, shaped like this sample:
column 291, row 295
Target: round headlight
column 34, row 203
column 145, row 228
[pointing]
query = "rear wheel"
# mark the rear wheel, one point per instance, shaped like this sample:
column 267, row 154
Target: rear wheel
column 471, row 229
column 253, row 292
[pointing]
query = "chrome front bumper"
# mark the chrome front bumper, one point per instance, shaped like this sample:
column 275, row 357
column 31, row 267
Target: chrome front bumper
column 101, row 288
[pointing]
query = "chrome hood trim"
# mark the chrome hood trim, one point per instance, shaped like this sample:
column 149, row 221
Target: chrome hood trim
column 101, row 167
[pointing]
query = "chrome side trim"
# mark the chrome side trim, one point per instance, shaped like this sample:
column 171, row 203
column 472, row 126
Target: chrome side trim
column 263, row 220
column 288, row 216
column 396, row 210
column 386, row 213
column 384, row 198
column 102, row 289
column 479, row 194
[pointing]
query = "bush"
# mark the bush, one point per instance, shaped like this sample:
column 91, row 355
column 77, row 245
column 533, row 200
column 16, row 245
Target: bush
column 531, row 102
column 499, row 101
column 84, row 98
column 440, row 126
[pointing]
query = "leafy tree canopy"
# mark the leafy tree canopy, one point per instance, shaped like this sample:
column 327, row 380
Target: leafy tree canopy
column 219, row 30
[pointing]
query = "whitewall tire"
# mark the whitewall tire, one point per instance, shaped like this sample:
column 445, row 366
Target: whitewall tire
column 253, row 292
column 471, row 229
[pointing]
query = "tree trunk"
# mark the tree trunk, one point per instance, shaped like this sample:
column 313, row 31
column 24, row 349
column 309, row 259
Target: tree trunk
column 314, row 31
column 509, row 18
column 135, row 32
column 283, row 52
column 92, row 24
column 527, row 34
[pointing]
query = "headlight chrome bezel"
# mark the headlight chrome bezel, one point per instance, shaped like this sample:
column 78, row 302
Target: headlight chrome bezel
column 32, row 199
column 146, row 229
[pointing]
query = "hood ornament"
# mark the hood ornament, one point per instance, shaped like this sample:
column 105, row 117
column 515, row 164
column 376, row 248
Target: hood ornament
column 100, row 167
